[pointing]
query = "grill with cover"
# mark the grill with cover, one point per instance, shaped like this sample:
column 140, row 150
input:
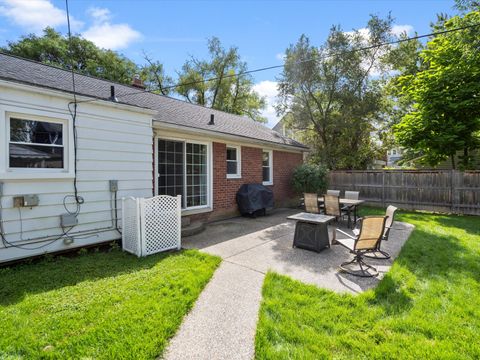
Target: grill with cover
column 254, row 197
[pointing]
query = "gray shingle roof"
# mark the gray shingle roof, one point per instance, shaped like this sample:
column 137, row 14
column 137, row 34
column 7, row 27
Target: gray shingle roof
column 169, row 110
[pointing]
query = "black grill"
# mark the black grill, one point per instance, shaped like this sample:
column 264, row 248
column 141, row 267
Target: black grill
column 252, row 198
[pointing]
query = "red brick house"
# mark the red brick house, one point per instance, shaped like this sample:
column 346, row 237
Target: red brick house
column 55, row 140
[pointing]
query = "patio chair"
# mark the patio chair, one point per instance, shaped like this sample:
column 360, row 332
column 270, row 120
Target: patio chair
column 378, row 253
column 332, row 207
column 333, row 192
column 352, row 195
column 311, row 203
column 371, row 231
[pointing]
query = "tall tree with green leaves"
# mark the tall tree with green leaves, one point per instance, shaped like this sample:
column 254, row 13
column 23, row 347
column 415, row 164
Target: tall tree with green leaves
column 334, row 93
column 445, row 93
column 55, row 49
column 227, row 91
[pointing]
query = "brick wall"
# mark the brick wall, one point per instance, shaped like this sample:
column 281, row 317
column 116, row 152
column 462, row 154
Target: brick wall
column 224, row 190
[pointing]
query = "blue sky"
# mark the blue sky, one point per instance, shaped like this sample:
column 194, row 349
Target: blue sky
column 171, row 31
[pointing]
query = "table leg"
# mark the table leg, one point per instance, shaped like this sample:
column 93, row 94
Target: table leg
column 355, row 214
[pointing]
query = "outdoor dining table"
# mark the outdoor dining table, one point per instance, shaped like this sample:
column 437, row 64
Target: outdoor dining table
column 350, row 204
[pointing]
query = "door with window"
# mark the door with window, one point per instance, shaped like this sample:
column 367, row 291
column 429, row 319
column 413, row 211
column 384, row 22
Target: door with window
column 182, row 168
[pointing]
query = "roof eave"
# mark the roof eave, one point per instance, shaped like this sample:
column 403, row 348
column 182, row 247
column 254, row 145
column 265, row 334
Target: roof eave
column 15, row 84
column 157, row 124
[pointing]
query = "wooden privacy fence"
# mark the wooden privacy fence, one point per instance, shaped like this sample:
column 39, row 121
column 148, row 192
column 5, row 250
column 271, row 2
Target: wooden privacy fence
column 432, row 190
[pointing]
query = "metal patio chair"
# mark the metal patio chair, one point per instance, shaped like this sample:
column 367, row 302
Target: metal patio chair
column 333, row 192
column 378, row 253
column 352, row 195
column 332, row 207
column 370, row 234
column 311, row 203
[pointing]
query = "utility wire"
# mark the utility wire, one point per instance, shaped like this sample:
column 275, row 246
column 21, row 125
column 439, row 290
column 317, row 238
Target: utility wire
column 394, row 42
column 78, row 199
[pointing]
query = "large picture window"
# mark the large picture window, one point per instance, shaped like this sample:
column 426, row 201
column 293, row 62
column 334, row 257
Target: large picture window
column 183, row 170
column 36, row 144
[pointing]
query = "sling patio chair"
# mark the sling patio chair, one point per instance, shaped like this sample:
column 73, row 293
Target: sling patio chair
column 333, row 208
column 378, row 253
column 333, row 192
column 353, row 195
column 370, row 234
column 311, row 203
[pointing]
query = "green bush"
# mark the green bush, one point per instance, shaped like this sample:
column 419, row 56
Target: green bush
column 310, row 179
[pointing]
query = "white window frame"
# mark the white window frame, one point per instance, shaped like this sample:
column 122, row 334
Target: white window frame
column 38, row 173
column 191, row 209
column 238, row 174
column 270, row 165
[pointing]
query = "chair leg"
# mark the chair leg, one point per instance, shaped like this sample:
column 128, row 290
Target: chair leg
column 377, row 254
column 364, row 267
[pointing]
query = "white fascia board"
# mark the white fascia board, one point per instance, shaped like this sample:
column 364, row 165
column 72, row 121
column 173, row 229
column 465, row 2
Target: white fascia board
column 243, row 140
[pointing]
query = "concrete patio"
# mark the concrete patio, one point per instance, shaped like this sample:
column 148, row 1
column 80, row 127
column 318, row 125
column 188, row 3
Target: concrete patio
column 223, row 322
column 265, row 243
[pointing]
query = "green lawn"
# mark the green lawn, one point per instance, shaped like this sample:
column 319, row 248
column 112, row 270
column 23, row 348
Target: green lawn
column 426, row 307
column 98, row 305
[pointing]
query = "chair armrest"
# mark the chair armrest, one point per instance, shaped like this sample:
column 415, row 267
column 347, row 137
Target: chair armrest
column 344, row 233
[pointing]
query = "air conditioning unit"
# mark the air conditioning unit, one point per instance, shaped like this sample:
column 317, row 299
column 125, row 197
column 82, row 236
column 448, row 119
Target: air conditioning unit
column 151, row 225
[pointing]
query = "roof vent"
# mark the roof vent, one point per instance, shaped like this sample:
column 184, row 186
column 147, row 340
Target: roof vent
column 112, row 94
column 212, row 119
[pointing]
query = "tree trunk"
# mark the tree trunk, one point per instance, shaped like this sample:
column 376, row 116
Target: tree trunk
column 452, row 157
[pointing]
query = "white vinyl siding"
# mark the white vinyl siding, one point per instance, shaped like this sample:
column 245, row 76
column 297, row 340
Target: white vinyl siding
column 112, row 144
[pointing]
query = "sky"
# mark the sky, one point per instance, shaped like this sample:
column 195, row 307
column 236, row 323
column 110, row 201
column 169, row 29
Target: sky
column 172, row 31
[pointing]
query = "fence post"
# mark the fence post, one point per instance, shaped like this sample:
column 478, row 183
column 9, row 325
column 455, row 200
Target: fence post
column 383, row 188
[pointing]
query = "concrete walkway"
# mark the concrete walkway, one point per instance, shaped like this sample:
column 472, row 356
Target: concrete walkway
column 223, row 321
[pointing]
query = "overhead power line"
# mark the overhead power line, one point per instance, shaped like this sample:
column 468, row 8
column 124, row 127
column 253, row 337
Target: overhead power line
column 266, row 68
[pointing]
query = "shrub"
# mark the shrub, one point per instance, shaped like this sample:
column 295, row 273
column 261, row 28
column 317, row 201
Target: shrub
column 310, row 179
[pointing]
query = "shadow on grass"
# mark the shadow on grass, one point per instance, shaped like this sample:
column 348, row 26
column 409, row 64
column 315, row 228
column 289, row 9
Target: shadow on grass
column 48, row 274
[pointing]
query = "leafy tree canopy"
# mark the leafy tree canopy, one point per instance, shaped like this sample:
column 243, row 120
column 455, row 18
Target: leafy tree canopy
column 227, row 92
column 445, row 113
column 333, row 92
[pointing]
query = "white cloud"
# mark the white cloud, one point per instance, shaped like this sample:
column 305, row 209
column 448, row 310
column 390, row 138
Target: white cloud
column 280, row 56
column 99, row 14
column 107, row 35
column 268, row 89
column 35, row 15
column 399, row 29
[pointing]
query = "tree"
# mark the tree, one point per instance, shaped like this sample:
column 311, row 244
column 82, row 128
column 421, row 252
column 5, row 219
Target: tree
column 227, row 91
column 331, row 92
column 445, row 115
column 54, row 49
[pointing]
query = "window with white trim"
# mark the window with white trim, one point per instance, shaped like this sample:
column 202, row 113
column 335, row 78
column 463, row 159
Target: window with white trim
column 36, row 144
column 183, row 170
column 234, row 162
column 267, row 167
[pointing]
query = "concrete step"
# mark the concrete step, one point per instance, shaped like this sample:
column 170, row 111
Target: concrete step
column 192, row 228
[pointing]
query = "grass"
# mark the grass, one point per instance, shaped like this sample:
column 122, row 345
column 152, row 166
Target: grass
column 98, row 305
column 426, row 307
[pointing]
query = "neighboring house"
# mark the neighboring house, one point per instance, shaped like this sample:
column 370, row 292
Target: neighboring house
column 150, row 144
column 393, row 155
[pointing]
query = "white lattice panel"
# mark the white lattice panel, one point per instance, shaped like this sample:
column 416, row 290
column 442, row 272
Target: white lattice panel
column 131, row 226
column 161, row 224
column 151, row 225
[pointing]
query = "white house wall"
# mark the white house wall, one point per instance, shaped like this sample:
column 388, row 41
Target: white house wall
column 113, row 143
